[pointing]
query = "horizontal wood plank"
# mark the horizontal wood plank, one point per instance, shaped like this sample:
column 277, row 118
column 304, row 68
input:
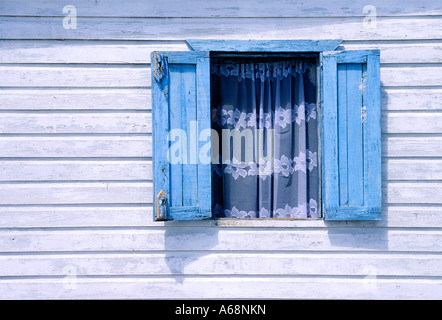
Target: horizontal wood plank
column 139, row 76
column 412, row 192
column 415, row 146
column 76, row 193
column 69, row 122
column 141, row 146
column 415, row 216
column 220, row 8
column 411, row 99
column 401, row 52
column 75, row 99
column 184, row 287
column 412, row 169
column 77, row 216
column 213, row 239
column 109, row 52
column 395, row 99
column 140, row 99
column 103, row 193
column 411, row 75
column 138, row 52
column 77, row 146
column 220, row 28
column 191, row 263
column 72, row 216
column 75, row 170
column 411, row 122
column 74, row 76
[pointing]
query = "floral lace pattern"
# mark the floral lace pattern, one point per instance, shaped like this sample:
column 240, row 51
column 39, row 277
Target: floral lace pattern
column 281, row 117
column 269, row 173
column 302, row 210
column 263, row 168
column 262, row 71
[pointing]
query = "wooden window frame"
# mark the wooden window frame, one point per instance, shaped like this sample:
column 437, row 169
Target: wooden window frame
column 330, row 208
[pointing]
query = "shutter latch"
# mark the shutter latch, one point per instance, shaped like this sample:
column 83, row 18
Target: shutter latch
column 161, row 213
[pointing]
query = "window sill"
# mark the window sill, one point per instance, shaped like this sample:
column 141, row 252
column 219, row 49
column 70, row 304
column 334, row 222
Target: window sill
column 248, row 223
column 267, row 223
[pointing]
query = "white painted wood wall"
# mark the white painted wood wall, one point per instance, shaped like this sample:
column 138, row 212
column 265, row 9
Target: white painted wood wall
column 76, row 169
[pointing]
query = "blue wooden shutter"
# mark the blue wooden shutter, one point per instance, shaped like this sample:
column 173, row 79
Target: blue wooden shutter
column 181, row 135
column 351, row 135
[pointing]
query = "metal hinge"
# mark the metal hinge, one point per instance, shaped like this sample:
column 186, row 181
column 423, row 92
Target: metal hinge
column 161, row 206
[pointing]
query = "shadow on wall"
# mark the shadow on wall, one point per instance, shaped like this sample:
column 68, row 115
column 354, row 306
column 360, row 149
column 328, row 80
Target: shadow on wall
column 384, row 153
column 358, row 235
column 185, row 243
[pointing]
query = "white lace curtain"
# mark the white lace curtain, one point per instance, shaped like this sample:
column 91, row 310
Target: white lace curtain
column 265, row 116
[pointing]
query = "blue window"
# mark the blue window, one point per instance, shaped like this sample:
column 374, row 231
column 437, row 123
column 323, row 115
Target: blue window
column 350, row 138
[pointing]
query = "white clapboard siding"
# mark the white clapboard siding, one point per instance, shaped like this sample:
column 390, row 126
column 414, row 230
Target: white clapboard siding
column 412, row 169
column 407, row 75
column 411, row 99
column 251, row 287
column 75, row 193
column 140, row 215
column 406, row 216
column 220, row 8
column 139, row 76
column 43, row 122
column 221, row 28
column 401, row 51
column 76, row 196
column 141, row 169
column 393, row 98
column 111, row 215
column 75, row 169
column 75, row 99
column 69, row 122
column 140, row 192
column 193, row 263
column 138, row 52
column 413, row 192
column 80, row 146
column 103, row 169
column 412, row 122
column 139, row 99
column 113, row 52
column 412, row 146
column 74, row 76
column 141, row 146
column 214, row 239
